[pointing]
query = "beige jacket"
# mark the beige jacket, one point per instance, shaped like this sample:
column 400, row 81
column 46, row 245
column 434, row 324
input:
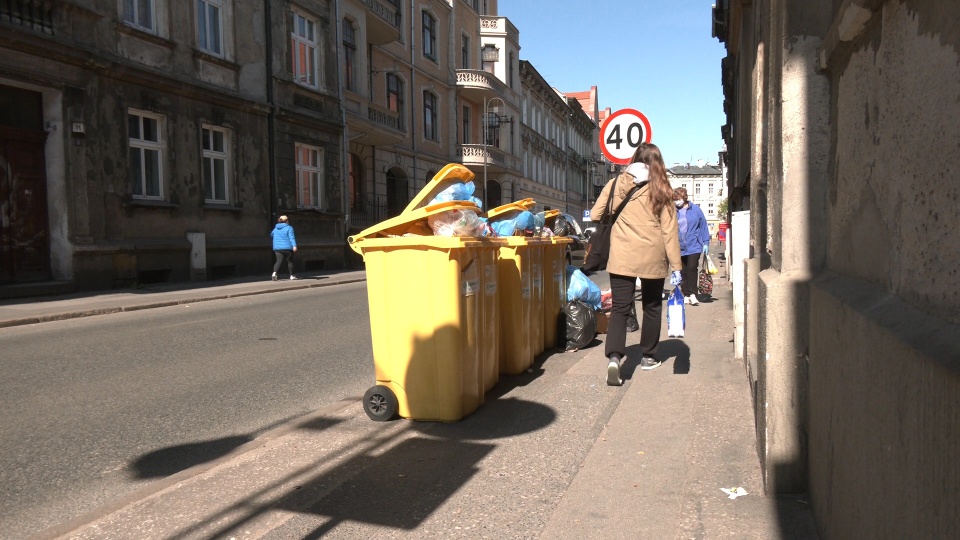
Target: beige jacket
column 641, row 244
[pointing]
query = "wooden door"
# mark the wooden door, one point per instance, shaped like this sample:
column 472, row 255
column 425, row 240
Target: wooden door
column 24, row 227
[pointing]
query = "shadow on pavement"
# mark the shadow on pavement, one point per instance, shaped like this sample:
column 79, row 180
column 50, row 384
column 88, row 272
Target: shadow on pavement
column 669, row 348
column 171, row 460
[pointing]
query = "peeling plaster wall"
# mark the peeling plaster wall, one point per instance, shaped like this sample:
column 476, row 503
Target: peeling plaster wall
column 894, row 215
column 885, row 317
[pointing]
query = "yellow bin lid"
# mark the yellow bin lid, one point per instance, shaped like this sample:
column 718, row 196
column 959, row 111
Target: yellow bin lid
column 521, row 205
column 451, row 173
column 399, row 225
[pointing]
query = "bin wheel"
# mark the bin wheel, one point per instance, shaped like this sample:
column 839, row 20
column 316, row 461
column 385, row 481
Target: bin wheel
column 380, row 403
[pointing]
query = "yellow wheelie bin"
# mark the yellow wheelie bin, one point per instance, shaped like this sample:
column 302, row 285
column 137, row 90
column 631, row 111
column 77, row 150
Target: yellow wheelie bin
column 487, row 251
column 426, row 297
column 520, row 285
column 555, row 288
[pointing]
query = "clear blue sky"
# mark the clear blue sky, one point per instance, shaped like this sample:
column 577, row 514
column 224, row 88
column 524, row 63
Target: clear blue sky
column 656, row 56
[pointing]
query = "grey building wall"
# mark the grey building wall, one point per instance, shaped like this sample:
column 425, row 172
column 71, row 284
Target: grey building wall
column 91, row 68
column 848, row 126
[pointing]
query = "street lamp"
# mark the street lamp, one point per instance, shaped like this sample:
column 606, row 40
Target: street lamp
column 488, row 123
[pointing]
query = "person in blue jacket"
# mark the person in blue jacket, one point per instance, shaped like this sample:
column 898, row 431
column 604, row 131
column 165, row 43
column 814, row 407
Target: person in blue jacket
column 284, row 245
column 694, row 241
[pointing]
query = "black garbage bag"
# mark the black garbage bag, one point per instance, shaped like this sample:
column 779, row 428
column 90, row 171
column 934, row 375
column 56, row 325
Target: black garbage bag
column 581, row 325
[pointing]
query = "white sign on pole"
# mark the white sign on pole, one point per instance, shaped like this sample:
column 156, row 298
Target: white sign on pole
column 622, row 132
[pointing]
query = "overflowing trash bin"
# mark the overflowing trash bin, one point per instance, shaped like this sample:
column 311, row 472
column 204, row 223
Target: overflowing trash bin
column 427, row 296
column 520, row 284
column 555, row 284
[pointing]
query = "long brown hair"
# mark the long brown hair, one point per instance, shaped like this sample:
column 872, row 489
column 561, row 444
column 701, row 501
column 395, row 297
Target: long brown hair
column 661, row 194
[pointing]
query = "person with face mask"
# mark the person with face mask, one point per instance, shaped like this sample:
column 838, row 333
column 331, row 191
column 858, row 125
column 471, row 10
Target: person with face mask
column 694, row 241
column 643, row 244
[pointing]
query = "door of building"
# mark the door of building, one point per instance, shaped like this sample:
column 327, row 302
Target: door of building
column 24, row 228
column 398, row 191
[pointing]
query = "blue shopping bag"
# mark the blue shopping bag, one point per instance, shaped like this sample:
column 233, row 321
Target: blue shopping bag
column 676, row 317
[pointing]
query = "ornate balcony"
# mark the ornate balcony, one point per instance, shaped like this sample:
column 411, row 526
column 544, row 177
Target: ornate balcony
column 383, row 22
column 373, row 124
column 498, row 161
column 476, row 84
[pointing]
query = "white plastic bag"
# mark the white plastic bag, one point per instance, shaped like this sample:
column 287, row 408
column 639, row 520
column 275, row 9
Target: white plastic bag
column 456, row 223
column 676, row 318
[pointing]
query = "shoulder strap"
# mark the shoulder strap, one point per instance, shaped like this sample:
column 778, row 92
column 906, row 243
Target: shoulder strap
column 610, row 196
column 626, row 199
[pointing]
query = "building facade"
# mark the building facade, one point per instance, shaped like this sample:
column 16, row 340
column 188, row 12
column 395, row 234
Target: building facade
column 841, row 140
column 705, row 187
column 146, row 141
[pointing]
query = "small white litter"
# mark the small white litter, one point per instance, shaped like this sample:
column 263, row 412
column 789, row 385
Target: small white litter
column 734, row 492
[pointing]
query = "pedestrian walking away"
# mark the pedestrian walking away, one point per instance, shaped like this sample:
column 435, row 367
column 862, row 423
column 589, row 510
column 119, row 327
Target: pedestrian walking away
column 694, row 242
column 644, row 244
column 284, row 246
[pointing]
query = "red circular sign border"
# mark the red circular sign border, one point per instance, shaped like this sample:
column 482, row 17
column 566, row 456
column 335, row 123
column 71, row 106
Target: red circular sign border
column 603, row 128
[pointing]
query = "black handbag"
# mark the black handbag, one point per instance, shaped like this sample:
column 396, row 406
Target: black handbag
column 598, row 250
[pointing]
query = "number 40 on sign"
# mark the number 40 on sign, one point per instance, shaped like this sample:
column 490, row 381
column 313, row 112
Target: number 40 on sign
column 621, row 134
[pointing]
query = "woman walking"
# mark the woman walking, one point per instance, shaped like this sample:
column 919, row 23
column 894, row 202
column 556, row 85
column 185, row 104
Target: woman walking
column 644, row 244
column 694, row 241
column 284, row 246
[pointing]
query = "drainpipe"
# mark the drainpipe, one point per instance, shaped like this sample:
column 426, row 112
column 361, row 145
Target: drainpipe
column 271, row 113
column 344, row 144
column 413, row 97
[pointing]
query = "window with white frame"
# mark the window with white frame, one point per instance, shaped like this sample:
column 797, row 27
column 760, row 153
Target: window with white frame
column 140, row 14
column 349, row 55
column 309, row 176
column 215, row 149
column 209, row 26
column 430, row 116
column 429, row 36
column 696, row 188
column 303, row 47
column 710, row 188
column 145, row 156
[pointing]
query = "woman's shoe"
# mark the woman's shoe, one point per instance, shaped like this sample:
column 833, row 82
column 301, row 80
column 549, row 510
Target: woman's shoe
column 613, row 370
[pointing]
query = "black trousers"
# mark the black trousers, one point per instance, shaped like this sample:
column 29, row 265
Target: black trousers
column 689, row 274
column 284, row 253
column 622, row 288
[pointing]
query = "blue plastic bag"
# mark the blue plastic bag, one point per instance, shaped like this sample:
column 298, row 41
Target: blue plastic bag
column 580, row 287
column 509, row 223
column 676, row 317
column 462, row 191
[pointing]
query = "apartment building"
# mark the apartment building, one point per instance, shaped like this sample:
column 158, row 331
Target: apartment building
column 142, row 142
column 158, row 141
column 705, row 187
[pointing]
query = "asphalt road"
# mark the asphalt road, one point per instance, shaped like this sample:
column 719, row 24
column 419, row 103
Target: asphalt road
column 98, row 407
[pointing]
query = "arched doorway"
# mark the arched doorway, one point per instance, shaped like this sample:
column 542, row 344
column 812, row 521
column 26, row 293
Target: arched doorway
column 398, row 191
column 494, row 194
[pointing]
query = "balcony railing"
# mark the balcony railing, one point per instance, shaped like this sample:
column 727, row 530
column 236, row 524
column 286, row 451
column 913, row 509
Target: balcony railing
column 384, row 117
column 482, row 79
column 34, row 14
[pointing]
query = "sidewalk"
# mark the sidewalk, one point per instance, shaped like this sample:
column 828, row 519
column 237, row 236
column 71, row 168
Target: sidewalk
column 52, row 308
column 554, row 453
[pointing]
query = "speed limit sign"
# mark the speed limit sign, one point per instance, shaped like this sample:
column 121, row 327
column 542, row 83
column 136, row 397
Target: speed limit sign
column 621, row 134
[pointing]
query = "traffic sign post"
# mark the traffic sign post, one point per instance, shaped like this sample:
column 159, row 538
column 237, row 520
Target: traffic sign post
column 622, row 133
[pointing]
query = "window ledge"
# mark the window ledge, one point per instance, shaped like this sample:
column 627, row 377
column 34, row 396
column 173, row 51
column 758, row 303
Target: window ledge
column 150, row 203
column 146, row 36
column 211, row 59
column 221, row 207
